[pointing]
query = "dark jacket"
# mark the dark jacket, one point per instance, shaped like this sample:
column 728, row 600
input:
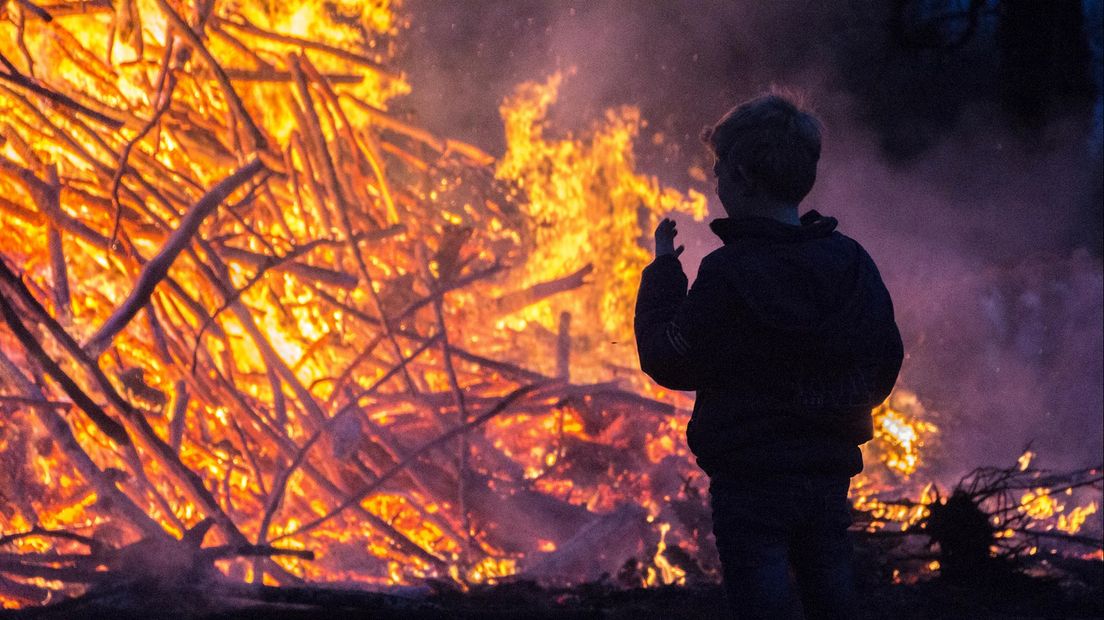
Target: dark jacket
column 787, row 336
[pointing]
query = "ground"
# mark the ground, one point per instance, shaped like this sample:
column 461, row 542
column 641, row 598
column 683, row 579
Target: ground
column 1026, row 598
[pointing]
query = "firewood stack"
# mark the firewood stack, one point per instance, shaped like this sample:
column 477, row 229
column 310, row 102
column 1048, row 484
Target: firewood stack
column 240, row 293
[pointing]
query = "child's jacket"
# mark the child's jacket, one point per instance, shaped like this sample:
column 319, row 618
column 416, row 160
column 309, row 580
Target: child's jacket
column 787, row 336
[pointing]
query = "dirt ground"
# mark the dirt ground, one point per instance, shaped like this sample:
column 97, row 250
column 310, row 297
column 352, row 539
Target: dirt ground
column 1023, row 598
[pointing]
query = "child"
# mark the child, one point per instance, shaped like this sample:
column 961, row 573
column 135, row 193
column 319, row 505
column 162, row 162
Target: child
column 789, row 340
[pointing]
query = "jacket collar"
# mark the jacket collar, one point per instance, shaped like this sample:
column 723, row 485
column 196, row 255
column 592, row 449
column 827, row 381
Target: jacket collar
column 813, row 226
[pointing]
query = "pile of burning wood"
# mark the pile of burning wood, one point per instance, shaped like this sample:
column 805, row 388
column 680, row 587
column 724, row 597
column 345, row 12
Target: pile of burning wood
column 241, row 296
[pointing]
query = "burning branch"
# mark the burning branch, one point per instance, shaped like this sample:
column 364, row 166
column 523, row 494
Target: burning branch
column 13, row 76
column 108, row 426
column 158, row 267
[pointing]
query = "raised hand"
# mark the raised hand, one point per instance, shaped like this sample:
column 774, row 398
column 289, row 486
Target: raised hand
column 665, row 238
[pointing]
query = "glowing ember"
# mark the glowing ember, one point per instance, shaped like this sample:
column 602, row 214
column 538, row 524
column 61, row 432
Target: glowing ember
column 900, row 432
column 1039, row 504
column 1071, row 523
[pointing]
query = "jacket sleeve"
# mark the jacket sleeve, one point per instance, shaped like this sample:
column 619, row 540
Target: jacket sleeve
column 673, row 326
column 893, row 355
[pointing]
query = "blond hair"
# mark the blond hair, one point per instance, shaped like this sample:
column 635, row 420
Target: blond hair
column 776, row 143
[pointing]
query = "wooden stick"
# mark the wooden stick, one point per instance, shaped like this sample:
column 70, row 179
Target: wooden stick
column 514, row 301
column 76, row 8
column 443, row 146
column 38, row 11
column 306, row 156
column 104, row 422
column 59, row 274
column 158, row 267
column 462, row 411
column 563, row 348
column 166, row 84
column 19, row 401
column 237, row 44
column 179, row 412
column 210, row 554
column 274, row 75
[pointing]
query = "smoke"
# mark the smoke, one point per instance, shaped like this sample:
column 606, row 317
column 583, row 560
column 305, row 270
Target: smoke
column 988, row 237
column 1000, row 314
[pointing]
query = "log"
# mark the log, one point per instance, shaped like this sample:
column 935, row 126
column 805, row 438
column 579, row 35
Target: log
column 599, row 548
column 512, row 302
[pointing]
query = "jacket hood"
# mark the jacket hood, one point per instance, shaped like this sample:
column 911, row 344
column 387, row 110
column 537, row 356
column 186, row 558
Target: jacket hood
column 813, row 226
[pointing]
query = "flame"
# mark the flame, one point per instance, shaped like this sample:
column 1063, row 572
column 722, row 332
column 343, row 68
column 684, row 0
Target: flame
column 1025, row 460
column 587, row 205
column 557, row 202
column 668, row 573
column 1039, row 504
column 1071, row 523
column 901, row 432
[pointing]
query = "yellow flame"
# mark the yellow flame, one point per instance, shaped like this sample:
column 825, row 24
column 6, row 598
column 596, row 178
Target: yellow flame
column 587, row 205
column 1025, row 460
column 900, row 432
column 1039, row 504
column 1071, row 523
column 668, row 573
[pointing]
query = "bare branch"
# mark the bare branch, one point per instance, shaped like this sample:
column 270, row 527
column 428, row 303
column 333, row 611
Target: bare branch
column 158, row 267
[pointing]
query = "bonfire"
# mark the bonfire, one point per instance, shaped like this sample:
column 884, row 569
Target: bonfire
column 262, row 327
